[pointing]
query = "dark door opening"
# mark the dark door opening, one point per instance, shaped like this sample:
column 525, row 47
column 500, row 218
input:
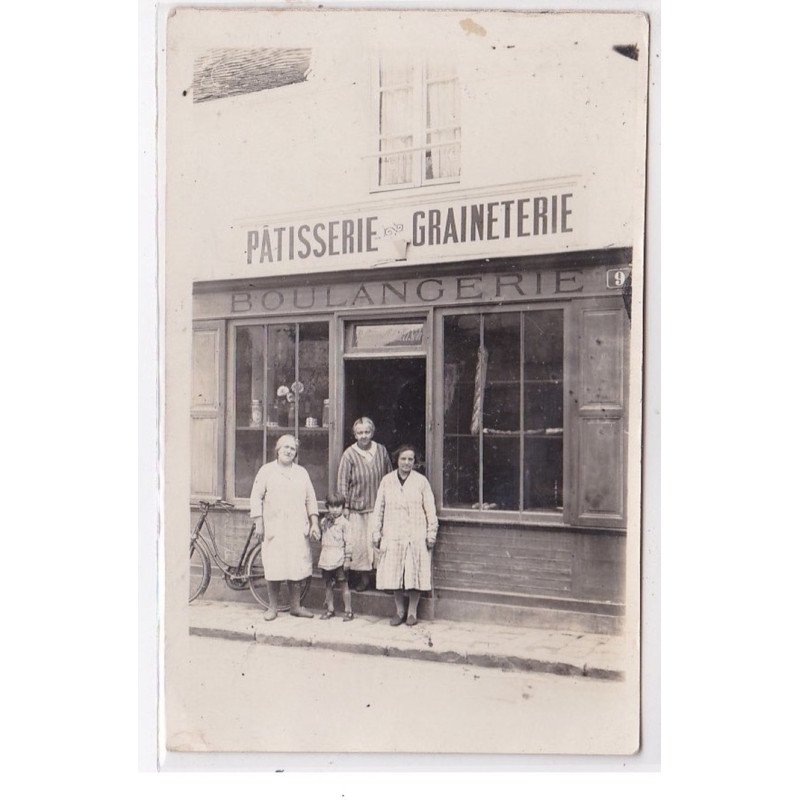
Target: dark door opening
column 391, row 392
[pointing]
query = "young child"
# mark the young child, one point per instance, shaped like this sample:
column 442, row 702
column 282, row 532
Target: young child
column 335, row 555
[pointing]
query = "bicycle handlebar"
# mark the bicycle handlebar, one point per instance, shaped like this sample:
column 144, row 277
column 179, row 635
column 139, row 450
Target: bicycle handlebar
column 217, row 503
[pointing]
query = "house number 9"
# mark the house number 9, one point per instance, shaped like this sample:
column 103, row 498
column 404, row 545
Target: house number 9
column 615, row 278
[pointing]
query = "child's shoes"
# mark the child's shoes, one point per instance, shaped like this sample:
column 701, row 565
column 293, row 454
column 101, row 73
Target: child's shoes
column 327, row 615
column 348, row 616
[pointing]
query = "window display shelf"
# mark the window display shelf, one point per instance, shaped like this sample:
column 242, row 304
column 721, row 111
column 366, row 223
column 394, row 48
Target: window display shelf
column 532, row 434
column 281, row 429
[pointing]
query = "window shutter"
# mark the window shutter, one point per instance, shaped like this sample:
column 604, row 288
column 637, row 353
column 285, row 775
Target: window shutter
column 598, row 413
column 207, row 408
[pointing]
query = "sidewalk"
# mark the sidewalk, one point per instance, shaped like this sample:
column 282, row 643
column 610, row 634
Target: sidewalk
column 480, row 645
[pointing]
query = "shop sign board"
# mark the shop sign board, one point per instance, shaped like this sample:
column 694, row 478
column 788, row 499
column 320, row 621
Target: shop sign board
column 510, row 285
column 487, row 220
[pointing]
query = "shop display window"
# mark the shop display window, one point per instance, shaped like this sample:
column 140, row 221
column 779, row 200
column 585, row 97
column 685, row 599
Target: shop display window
column 281, row 386
column 503, row 411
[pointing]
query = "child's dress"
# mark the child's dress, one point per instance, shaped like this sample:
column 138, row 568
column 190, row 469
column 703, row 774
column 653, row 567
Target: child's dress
column 336, row 545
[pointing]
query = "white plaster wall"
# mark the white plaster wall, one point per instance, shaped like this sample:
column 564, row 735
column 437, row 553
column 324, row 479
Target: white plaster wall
column 543, row 96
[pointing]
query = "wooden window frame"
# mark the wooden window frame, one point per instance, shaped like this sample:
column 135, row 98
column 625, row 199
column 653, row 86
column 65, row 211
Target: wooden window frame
column 243, row 503
column 419, row 129
column 426, row 351
column 491, row 516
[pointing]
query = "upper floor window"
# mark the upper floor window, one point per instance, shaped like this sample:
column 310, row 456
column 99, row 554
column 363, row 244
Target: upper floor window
column 419, row 123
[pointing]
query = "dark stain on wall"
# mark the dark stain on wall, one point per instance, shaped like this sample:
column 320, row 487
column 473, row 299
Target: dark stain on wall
column 627, row 50
column 230, row 71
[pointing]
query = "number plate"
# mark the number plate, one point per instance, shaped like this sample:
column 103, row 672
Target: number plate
column 617, row 278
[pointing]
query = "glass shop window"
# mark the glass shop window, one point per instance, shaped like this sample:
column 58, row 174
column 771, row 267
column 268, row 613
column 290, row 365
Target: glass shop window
column 281, row 386
column 504, row 411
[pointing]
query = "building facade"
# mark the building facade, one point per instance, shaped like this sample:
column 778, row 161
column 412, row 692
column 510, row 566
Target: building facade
column 443, row 233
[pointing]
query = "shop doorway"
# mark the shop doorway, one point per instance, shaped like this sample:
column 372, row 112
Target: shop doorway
column 391, row 392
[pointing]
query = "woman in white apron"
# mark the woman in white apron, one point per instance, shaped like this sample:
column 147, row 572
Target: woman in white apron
column 284, row 507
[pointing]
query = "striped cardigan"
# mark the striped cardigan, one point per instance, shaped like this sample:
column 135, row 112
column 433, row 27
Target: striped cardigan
column 359, row 479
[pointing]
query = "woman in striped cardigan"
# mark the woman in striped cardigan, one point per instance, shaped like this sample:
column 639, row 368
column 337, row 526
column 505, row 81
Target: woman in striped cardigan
column 361, row 469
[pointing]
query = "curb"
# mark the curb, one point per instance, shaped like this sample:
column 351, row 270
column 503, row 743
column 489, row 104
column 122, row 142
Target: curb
column 478, row 659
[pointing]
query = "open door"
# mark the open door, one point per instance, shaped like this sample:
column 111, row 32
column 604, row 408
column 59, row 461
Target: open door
column 385, row 380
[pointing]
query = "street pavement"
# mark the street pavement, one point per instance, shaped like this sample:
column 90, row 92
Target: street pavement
column 523, row 649
column 242, row 696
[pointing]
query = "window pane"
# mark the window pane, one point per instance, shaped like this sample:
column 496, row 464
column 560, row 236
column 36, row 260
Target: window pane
column 443, row 161
column 461, row 447
column 249, row 459
column 281, row 389
column 443, row 105
column 543, row 486
column 544, row 410
column 249, row 402
column 501, row 338
column 312, row 394
column 461, row 343
column 313, row 455
column 249, row 375
column 376, row 337
column 544, row 345
column 506, row 375
column 395, row 168
column 501, row 472
column 461, row 471
column 442, row 123
column 544, row 407
column 396, row 114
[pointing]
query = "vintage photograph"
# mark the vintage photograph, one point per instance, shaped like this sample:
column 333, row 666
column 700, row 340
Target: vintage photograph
column 402, row 290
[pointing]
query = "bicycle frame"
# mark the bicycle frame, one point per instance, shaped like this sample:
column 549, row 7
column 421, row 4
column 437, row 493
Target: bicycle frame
column 240, row 577
column 210, row 543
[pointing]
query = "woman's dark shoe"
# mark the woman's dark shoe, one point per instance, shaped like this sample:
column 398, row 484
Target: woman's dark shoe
column 348, row 616
column 396, row 620
column 411, row 621
column 327, row 615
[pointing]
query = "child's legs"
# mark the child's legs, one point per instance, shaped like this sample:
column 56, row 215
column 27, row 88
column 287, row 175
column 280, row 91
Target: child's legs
column 329, row 593
column 400, row 602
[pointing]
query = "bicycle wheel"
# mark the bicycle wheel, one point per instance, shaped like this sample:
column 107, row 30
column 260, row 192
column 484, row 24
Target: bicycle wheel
column 199, row 570
column 258, row 585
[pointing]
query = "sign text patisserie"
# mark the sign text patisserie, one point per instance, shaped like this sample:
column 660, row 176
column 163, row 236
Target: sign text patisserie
column 468, row 222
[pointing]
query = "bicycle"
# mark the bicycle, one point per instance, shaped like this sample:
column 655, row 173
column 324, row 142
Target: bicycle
column 247, row 573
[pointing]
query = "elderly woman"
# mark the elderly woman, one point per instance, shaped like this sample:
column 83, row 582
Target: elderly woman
column 404, row 526
column 361, row 468
column 284, row 507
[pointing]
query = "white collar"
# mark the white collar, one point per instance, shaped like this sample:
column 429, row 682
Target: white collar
column 368, row 453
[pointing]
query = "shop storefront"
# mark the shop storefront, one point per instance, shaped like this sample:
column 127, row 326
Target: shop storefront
column 509, row 374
